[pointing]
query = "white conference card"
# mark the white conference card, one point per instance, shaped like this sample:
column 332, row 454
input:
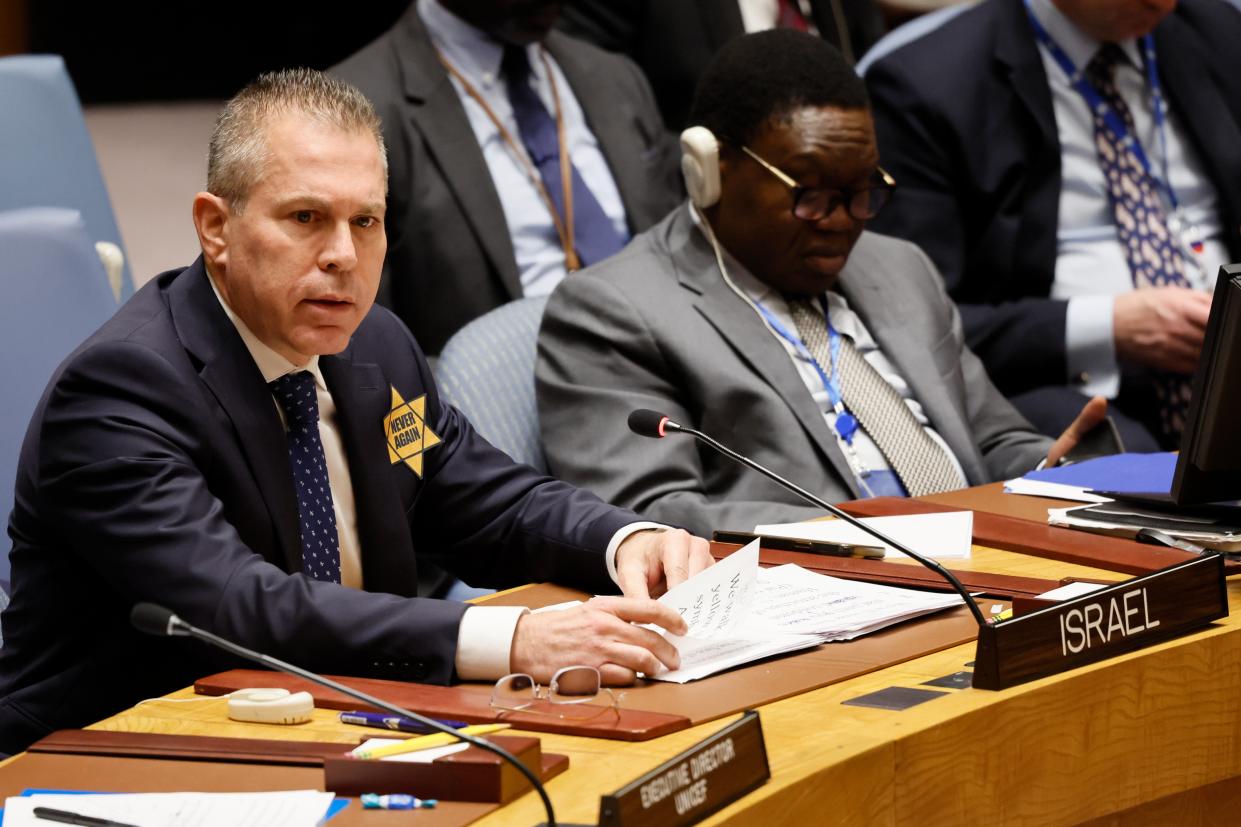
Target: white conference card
column 297, row 808
column 945, row 535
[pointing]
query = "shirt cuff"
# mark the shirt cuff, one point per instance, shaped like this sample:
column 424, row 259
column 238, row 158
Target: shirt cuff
column 485, row 641
column 621, row 536
column 1091, row 346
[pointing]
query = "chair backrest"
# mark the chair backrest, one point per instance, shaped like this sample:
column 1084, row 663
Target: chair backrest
column 909, row 32
column 55, row 295
column 46, row 155
column 487, row 371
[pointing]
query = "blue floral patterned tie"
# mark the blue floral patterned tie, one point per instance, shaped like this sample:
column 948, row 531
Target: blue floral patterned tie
column 320, row 547
column 1141, row 221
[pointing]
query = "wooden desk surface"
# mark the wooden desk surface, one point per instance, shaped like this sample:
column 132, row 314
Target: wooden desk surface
column 1153, row 737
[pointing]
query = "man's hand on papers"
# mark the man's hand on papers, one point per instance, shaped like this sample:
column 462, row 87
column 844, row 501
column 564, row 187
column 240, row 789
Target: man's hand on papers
column 649, row 563
column 602, row 633
column 1092, row 414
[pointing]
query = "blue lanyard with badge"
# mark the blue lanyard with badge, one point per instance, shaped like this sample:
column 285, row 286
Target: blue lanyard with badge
column 1186, row 233
column 846, row 424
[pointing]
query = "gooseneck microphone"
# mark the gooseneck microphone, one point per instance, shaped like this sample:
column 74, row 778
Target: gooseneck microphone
column 649, row 423
column 158, row 621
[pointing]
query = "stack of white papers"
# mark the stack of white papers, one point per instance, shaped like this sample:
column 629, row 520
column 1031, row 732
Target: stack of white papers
column 299, row 808
column 794, row 599
column 947, row 535
column 739, row 613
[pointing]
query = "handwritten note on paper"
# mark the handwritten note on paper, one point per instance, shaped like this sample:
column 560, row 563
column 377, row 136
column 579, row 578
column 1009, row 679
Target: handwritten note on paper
column 795, row 600
column 714, row 600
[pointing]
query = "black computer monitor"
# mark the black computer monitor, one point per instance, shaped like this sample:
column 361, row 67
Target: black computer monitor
column 1209, row 466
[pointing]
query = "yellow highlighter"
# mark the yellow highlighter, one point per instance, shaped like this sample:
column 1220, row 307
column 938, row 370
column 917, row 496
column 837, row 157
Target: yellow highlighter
column 439, row 739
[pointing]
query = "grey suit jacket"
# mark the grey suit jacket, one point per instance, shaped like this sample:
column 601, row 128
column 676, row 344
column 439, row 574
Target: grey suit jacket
column 450, row 257
column 657, row 327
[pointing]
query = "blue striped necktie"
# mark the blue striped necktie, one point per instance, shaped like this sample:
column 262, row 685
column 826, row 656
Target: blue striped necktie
column 320, row 545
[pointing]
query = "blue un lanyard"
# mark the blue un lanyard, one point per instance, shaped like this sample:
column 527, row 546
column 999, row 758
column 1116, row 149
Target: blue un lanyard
column 846, row 423
column 1111, row 118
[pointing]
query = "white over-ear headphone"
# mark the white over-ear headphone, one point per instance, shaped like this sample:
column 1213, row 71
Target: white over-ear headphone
column 700, row 164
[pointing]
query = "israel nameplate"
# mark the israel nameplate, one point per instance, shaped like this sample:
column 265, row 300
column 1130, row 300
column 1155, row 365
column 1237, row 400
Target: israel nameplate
column 1121, row 618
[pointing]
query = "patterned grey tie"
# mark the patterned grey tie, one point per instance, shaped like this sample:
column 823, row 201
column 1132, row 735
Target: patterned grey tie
column 922, row 464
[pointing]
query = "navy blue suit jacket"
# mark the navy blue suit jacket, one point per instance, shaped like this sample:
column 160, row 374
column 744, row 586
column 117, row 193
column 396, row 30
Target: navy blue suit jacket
column 156, row 469
column 972, row 143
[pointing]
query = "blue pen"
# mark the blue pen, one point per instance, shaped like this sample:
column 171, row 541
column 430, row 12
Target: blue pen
column 397, row 801
column 381, row 721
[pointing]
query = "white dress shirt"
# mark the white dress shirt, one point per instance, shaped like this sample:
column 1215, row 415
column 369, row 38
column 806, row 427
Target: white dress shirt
column 760, row 15
column 864, row 455
column 485, row 636
column 1091, row 269
column 477, row 56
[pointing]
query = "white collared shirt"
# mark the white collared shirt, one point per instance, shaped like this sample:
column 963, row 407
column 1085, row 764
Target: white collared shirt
column 760, row 15
column 1091, row 269
column 477, row 56
column 485, row 636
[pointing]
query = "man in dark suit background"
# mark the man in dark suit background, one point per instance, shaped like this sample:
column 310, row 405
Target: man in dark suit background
column 251, row 443
column 673, row 40
column 479, row 100
column 998, row 157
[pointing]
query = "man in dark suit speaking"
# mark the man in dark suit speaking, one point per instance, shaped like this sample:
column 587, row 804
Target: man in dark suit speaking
column 251, row 443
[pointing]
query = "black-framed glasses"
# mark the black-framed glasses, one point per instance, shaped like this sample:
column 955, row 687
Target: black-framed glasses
column 814, row 204
column 570, row 693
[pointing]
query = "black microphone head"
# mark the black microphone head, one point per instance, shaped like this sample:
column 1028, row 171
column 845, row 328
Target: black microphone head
column 152, row 619
column 644, row 422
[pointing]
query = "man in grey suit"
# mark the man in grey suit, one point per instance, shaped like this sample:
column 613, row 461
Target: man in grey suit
column 479, row 101
column 765, row 316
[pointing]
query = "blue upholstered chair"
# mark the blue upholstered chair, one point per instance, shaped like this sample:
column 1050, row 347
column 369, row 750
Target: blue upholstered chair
column 55, row 294
column 46, row 155
column 487, row 372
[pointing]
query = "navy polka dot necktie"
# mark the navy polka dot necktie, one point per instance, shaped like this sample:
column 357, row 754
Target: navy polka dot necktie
column 320, row 549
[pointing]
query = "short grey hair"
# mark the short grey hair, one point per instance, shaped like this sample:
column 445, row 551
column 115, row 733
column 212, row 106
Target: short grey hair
column 238, row 153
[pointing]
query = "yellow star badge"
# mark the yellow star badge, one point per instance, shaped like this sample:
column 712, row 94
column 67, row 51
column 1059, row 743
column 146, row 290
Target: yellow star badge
column 407, row 432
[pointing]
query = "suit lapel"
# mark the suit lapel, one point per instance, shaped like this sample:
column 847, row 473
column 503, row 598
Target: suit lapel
column 1194, row 92
column 612, row 122
column 744, row 332
column 229, row 372
column 362, row 398
column 437, row 114
column 1017, row 54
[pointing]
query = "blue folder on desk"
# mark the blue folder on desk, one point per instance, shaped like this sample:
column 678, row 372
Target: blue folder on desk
column 1120, row 473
